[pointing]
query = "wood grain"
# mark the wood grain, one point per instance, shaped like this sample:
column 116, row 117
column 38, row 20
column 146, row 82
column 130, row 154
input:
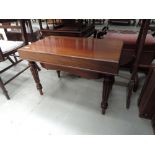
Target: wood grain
column 100, row 56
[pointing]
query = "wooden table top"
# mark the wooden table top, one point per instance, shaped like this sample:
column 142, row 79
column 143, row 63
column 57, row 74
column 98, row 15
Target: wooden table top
column 99, row 50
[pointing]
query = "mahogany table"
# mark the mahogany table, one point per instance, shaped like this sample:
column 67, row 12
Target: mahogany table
column 77, row 55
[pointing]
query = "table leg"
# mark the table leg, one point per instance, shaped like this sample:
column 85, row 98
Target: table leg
column 34, row 71
column 107, row 86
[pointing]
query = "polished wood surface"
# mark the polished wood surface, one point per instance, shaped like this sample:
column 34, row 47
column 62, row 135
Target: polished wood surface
column 83, row 56
column 93, row 54
column 78, row 47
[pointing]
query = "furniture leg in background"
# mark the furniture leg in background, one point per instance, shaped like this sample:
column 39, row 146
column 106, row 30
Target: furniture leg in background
column 153, row 123
column 146, row 101
column 3, row 89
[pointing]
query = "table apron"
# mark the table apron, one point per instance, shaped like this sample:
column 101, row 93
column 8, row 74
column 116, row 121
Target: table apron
column 105, row 67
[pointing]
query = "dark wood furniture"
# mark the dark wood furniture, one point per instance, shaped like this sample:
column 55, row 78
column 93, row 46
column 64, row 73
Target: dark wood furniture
column 8, row 51
column 99, row 21
column 122, row 21
column 81, row 56
column 1, row 37
column 146, row 101
column 139, row 50
column 153, row 123
column 68, row 27
column 14, row 34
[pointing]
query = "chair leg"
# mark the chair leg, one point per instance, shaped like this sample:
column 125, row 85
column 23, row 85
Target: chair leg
column 15, row 59
column 129, row 93
column 136, row 83
column 153, row 123
column 11, row 60
column 4, row 89
column 58, row 73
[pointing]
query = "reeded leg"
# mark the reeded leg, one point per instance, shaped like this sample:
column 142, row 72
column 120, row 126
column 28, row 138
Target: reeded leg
column 37, row 67
column 4, row 89
column 34, row 71
column 112, row 80
column 107, row 86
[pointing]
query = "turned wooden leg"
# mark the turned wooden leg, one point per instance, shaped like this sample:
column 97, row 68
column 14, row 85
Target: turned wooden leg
column 58, row 73
column 34, row 71
column 4, row 89
column 112, row 80
column 107, row 86
column 37, row 66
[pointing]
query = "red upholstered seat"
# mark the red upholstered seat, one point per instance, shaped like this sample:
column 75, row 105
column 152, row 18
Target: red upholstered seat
column 128, row 51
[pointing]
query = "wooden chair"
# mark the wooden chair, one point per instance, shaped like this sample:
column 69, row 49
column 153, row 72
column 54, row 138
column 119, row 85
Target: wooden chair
column 50, row 24
column 147, row 96
column 139, row 49
column 135, row 55
column 8, row 51
column 33, row 33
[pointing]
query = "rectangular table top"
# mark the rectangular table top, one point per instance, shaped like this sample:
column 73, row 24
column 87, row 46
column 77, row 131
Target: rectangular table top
column 76, row 52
